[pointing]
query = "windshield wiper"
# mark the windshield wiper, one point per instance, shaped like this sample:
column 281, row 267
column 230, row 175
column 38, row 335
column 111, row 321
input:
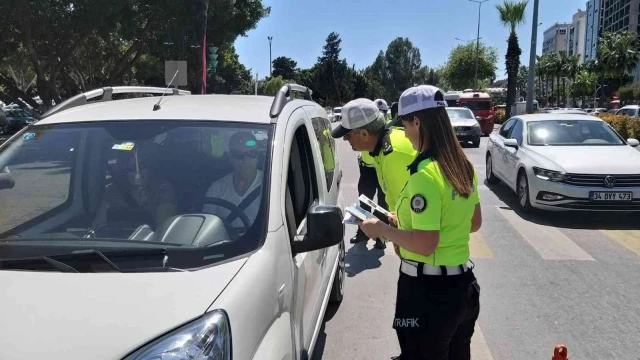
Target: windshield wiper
column 94, row 261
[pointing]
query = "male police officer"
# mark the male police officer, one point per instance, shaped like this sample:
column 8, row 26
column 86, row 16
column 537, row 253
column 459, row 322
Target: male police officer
column 381, row 104
column 363, row 126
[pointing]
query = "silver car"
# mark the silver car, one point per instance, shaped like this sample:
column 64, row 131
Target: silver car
column 565, row 162
column 465, row 125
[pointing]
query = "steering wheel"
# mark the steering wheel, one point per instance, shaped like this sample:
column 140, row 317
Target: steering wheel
column 235, row 210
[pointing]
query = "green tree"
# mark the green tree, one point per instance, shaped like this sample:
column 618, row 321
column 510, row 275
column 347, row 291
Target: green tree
column 402, row 61
column 284, row 67
column 523, row 76
column 332, row 79
column 75, row 45
column 271, row 86
column 619, row 54
column 460, row 68
column 512, row 15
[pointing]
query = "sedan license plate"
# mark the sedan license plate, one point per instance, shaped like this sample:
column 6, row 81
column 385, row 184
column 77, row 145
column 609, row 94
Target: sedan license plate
column 610, row 196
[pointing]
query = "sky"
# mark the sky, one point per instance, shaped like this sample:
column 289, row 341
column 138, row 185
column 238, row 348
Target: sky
column 299, row 29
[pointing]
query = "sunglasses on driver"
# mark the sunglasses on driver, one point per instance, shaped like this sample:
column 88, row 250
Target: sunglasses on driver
column 241, row 155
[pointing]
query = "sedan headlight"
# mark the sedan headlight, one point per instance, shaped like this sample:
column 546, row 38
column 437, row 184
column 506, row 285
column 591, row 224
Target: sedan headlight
column 550, row 175
column 206, row 338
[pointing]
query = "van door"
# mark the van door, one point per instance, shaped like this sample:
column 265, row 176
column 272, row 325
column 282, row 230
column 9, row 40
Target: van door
column 301, row 193
column 328, row 171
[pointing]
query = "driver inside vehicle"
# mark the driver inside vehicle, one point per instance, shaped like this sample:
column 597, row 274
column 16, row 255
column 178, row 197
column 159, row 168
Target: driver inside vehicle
column 242, row 187
column 136, row 186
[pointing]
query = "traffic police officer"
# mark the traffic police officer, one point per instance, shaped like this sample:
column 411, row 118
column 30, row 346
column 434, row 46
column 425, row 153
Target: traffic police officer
column 437, row 303
column 384, row 108
column 363, row 126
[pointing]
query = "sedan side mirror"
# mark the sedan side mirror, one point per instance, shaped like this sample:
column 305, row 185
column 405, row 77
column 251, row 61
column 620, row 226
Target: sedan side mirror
column 478, row 118
column 511, row 143
column 633, row 142
column 324, row 229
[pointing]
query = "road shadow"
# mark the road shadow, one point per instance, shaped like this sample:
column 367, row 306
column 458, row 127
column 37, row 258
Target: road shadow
column 321, row 342
column 359, row 258
column 586, row 220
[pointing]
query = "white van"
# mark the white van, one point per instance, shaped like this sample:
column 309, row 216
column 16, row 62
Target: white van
column 183, row 227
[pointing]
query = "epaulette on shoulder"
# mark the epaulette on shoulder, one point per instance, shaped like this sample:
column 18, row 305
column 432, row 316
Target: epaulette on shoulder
column 387, row 146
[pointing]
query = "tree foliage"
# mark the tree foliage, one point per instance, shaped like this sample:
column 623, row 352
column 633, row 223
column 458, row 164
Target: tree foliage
column 76, row 45
column 460, row 68
column 284, row 67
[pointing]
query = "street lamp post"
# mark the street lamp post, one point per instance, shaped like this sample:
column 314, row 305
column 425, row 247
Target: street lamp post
column 270, row 64
column 532, row 59
column 475, row 77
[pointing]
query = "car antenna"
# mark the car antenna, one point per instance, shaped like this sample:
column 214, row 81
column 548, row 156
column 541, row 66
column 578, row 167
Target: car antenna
column 157, row 105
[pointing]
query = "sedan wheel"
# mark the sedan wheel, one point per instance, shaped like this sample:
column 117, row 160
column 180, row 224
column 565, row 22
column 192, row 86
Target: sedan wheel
column 491, row 178
column 523, row 192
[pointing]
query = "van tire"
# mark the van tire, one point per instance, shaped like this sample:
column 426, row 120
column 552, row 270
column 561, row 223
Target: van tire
column 337, row 288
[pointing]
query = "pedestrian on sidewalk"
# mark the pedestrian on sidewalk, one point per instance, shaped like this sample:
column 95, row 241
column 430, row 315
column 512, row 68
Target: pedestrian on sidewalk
column 388, row 150
column 437, row 303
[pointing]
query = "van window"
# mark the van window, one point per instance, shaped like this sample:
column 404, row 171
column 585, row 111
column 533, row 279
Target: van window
column 327, row 147
column 477, row 105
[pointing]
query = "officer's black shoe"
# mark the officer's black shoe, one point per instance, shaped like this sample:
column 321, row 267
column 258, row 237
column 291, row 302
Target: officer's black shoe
column 380, row 244
column 360, row 237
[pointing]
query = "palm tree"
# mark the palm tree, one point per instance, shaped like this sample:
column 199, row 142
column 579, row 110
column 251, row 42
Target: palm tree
column 619, row 53
column 512, row 15
column 569, row 69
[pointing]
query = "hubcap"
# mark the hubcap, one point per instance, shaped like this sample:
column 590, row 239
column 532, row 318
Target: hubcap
column 523, row 191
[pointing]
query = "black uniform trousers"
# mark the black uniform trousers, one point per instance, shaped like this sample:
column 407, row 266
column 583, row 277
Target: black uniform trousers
column 368, row 185
column 435, row 316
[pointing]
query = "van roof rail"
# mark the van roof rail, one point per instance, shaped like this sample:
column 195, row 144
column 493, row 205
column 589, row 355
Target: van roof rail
column 285, row 95
column 106, row 94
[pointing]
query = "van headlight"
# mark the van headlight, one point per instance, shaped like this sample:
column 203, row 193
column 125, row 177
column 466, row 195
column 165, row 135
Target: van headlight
column 207, row 338
column 550, row 175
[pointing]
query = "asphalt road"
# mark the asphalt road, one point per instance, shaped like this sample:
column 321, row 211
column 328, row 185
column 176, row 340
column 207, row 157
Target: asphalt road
column 546, row 279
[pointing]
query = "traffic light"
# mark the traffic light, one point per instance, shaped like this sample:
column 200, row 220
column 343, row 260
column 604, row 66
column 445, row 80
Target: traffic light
column 212, row 54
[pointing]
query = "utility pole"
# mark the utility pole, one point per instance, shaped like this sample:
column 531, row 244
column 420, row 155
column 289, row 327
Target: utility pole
column 256, row 83
column 532, row 59
column 270, row 63
column 475, row 77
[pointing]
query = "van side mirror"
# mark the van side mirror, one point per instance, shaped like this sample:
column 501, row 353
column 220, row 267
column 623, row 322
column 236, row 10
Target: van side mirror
column 513, row 143
column 324, row 229
column 633, row 142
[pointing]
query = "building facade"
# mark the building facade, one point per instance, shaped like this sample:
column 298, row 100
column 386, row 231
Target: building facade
column 577, row 35
column 555, row 38
column 594, row 23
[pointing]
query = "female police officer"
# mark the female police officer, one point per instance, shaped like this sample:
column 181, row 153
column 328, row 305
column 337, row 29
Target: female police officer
column 438, row 297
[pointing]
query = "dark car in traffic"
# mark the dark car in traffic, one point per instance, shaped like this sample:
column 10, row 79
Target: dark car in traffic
column 16, row 119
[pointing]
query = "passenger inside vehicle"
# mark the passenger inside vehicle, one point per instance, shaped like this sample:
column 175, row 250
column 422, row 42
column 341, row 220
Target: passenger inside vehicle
column 136, row 186
column 243, row 186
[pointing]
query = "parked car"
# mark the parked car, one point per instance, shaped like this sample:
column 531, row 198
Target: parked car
column 629, row 110
column 16, row 119
column 565, row 111
column 466, row 126
column 337, row 114
column 128, row 234
column 565, row 162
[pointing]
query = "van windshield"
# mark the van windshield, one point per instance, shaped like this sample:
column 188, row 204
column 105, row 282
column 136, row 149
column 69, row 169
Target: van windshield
column 476, row 105
column 150, row 184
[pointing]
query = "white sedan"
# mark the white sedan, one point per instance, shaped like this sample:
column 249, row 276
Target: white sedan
column 565, row 162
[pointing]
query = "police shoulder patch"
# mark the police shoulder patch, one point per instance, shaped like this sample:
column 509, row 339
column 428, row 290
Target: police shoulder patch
column 418, row 203
column 387, row 147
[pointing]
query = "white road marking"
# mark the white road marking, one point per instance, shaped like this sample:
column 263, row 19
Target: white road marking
column 548, row 241
column 479, row 348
